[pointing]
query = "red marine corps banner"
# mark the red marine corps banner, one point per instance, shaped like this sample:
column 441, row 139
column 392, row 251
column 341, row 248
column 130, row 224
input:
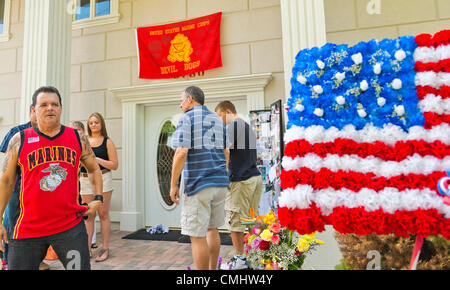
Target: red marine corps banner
column 179, row 49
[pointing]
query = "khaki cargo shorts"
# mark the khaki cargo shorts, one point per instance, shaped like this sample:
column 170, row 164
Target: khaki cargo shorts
column 202, row 211
column 242, row 196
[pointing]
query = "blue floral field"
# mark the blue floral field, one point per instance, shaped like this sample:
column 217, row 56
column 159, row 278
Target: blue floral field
column 371, row 82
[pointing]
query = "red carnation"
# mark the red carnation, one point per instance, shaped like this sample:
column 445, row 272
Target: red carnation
column 285, row 217
column 431, row 119
column 305, row 176
column 323, row 179
column 444, row 228
column 341, row 220
column 444, row 65
column 424, row 39
column 445, row 92
column 426, row 222
column 264, row 245
column 441, row 38
column 288, row 179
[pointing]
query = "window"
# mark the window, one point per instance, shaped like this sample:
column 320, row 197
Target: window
column 4, row 19
column 95, row 12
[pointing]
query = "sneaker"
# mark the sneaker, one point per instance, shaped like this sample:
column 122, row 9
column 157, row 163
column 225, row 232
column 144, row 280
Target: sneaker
column 236, row 263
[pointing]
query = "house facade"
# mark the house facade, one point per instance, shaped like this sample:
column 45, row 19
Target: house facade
column 87, row 48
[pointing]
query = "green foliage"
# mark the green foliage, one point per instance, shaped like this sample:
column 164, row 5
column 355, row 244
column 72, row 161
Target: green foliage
column 342, row 266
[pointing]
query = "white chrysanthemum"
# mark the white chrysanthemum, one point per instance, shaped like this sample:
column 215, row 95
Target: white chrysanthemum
column 397, row 84
column 318, row 89
column 340, row 100
column 318, row 112
column 301, row 79
column 357, row 58
column 364, row 85
column 381, row 101
column 320, row 64
column 400, row 55
column 377, row 68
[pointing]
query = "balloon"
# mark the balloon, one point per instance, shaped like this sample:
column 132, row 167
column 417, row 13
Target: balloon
column 443, row 186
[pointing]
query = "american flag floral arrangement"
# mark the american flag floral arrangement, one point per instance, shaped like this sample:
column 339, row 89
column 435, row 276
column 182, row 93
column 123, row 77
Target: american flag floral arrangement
column 368, row 138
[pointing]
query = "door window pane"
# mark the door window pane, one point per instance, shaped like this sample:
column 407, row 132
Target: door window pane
column 102, row 7
column 164, row 161
column 84, row 10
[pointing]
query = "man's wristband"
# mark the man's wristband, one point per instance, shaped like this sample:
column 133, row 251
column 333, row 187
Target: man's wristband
column 98, row 197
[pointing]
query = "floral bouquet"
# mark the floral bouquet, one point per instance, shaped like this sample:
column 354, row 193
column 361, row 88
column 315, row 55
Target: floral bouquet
column 270, row 246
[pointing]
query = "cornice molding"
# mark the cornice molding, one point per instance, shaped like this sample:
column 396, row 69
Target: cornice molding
column 215, row 87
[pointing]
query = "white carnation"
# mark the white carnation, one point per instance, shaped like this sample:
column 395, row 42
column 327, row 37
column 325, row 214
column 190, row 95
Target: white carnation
column 397, row 84
column 364, row 85
column 357, row 58
column 400, row 110
column 300, row 107
column 318, row 89
column 362, row 113
column 381, row 101
column 301, row 79
column 377, row 68
column 320, row 64
column 400, row 55
column 340, row 76
column 340, row 100
column 318, row 112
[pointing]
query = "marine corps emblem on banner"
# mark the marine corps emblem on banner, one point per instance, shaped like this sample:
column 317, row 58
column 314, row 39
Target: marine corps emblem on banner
column 179, row 49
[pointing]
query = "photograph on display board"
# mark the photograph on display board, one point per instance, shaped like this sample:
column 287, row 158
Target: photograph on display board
column 277, row 133
column 268, row 127
column 260, row 124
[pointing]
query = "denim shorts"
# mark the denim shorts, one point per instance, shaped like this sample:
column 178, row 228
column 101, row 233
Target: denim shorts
column 71, row 246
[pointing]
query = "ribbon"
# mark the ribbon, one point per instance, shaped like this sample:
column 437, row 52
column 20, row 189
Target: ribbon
column 416, row 253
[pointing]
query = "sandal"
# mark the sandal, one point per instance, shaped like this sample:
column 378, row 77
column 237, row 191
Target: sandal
column 100, row 254
column 94, row 246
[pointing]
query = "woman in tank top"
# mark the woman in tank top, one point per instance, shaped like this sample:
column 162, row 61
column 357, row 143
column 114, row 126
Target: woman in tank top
column 106, row 153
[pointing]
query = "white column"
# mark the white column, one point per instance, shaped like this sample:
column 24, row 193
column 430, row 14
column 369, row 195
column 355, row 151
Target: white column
column 255, row 101
column 303, row 25
column 131, row 217
column 46, row 52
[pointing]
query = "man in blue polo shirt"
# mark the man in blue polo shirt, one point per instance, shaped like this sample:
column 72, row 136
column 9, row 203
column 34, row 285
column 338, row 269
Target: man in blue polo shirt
column 200, row 139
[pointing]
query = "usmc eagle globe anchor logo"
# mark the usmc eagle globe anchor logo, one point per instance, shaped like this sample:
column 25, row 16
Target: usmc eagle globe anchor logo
column 56, row 177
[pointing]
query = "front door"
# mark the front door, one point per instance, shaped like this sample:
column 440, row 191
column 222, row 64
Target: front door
column 160, row 123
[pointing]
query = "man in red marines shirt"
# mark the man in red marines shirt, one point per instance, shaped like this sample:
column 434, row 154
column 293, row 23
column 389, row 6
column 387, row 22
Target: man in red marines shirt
column 48, row 157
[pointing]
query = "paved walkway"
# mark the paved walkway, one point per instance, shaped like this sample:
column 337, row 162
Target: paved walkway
column 128, row 254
